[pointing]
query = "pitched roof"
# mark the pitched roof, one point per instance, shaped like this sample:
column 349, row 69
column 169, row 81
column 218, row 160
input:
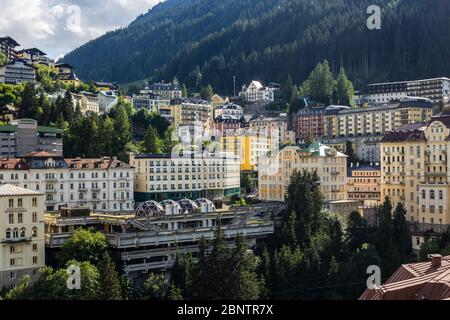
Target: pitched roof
column 416, row 281
column 11, row 190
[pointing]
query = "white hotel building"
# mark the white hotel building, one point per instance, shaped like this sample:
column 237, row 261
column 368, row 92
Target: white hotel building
column 102, row 185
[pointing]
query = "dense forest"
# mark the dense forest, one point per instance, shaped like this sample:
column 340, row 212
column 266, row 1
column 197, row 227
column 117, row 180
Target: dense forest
column 208, row 42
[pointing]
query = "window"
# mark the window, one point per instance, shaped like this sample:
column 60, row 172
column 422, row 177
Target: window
column 23, row 232
column 12, row 249
column 35, row 247
column 12, row 262
column 20, row 217
column 34, row 217
column 20, row 202
column 8, row 233
column 11, row 218
column 11, row 203
column 35, row 260
column 35, row 232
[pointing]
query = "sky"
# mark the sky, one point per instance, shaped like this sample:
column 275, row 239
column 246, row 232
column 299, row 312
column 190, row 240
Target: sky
column 59, row 26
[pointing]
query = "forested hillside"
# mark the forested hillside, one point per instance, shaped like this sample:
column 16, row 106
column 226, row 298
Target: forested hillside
column 207, row 42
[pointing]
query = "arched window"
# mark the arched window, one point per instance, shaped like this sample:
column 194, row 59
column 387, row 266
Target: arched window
column 424, row 194
column 8, row 233
column 16, row 233
column 35, row 232
column 25, row 176
column 23, row 232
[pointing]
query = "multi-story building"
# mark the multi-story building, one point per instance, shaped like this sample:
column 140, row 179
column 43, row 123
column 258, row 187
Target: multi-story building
column 166, row 91
column 229, row 109
column 17, row 71
column 274, row 128
column 275, row 171
column 35, row 56
column 7, row 46
column 363, row 184
column 106, row 86
column 149, row 101
column 89, row 102
column 309, row 124
column 103, row 185
column 107, row 100
column 437, row 90
column 192, row 112
column 21, row 234
column 365, row 127
column 227, row 124
column 249, row 146
column 24, row 136
column 165, row 176
column 415, row 170
column 256, row 92
column 66, row 74
column 149, row 238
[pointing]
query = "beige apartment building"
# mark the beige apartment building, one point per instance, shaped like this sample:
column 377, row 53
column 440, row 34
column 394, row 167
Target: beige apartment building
column 331, row 166
column 415, row 170
column 375, row 120
column 363, row 184
column 276, row 128
column 89, row 103
column 192, row 112
column 22, row 239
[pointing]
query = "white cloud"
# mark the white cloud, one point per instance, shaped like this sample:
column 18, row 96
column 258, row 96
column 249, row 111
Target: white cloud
column 57, row 27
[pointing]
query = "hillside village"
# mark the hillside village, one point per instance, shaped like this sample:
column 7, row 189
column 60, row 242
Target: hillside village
column 156, row 167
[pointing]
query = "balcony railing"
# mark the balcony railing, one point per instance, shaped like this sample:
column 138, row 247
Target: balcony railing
column 17, row 240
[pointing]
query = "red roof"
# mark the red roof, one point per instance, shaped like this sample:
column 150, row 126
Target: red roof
column 418, row 281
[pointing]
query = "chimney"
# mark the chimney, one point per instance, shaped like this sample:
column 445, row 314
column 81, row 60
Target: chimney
column 436, row 260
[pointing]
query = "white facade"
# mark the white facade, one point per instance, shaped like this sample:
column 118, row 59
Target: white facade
column 256, row 92
column 103, row 185
column 106, row 100
column 89, row 102
column 22, row 247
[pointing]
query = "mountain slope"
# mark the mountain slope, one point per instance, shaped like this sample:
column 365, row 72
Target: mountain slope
column 203, row 42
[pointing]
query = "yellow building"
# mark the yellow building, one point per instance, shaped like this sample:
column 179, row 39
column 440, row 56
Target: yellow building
column 415, row 170
column 190, row 112
column 375, row 120
column 329, row 164
column 22, row 247
column 249, row 147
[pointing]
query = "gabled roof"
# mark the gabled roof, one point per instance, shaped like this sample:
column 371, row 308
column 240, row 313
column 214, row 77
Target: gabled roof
column 35, row 51
column 257, row 84
column 9, row 41
column 64, row 65
column 416, row 281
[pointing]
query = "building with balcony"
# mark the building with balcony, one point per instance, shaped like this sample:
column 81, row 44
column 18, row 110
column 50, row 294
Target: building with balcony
column 414, row 170
column 275, row 171
column 274, row 128
column 309, row 124
column 22, row 240
column 192, row 112
column 256, row 92
column 166, row 91
column 24, row 136
column 66, row 74
column 437, row 90
column 177, row 176
column 35, row 56
column 7, row 46
column 89, row 103
column 102, row 185
column 363, row 184
column 17, row 71
column 149, row 238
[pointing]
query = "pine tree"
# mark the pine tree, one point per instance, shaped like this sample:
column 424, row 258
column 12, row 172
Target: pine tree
column 344, row 91
column 402, row 236
column 152, row 142
column 109, row 280
column 28, row 105
column 122, row 131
